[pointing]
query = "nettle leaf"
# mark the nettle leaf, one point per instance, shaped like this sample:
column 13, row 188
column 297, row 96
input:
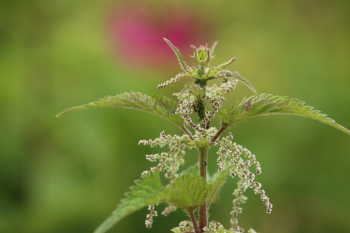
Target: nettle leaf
column 191, row 171
column 187, row 192
column 176, row 230
column 212, row 48
column 166, row 103
column 240, row 78
column 141, row 195
column 179, row 56
column 159, row 105
column 217, row 180
column 267, row 104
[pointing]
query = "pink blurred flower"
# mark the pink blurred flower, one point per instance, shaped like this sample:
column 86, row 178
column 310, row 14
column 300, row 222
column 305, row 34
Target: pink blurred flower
column 137, row 33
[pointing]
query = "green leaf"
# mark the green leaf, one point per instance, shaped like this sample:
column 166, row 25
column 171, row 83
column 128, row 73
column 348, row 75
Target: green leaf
column 191, row 171
column 240, row 78
column 164, row 102
column 212, row 48
column 267, row 104
column 186, row 192
column 217, row 180
column 176, row 230
column 141, row 195
column 178, row 55
column 159, row 105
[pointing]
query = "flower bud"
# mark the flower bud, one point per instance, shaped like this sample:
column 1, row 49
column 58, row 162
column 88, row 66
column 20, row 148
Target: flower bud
column 201, row 55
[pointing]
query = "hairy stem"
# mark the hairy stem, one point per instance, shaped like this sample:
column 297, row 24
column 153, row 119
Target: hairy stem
column 203, row 210
column 200, row 109
column 194, row 221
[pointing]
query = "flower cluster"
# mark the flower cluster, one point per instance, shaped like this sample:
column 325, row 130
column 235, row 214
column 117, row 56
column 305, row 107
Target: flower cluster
column 177, row 78
column 214, row 96
column 169, row 209
column 149, row 217
column 213, row 227
column 184, row 109
column 231, row 158
column 170, row 162
column 232, row 152
column 186, row 226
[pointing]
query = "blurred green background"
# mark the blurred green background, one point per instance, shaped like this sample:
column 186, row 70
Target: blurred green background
column 68, row 174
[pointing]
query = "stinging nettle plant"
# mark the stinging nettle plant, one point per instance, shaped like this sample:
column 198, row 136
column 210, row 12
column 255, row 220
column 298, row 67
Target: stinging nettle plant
column 193, row 190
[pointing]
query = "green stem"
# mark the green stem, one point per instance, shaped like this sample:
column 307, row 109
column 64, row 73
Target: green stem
column 200, row 109
column 203, row 155
column 203, row 210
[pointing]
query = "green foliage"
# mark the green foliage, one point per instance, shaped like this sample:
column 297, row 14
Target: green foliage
column 235, row 75
column 192, row 171
column 176, row 230
column 268, row 104
column 186, row 192
column 141, row 195
column 178, row 55
column 244, row 80
column 212, row 48
column 217, row 180
column 157, row 104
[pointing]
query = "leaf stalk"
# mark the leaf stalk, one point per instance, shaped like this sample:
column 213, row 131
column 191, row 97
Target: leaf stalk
column 187, row 132
column 194, row 221
column 218, row 134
